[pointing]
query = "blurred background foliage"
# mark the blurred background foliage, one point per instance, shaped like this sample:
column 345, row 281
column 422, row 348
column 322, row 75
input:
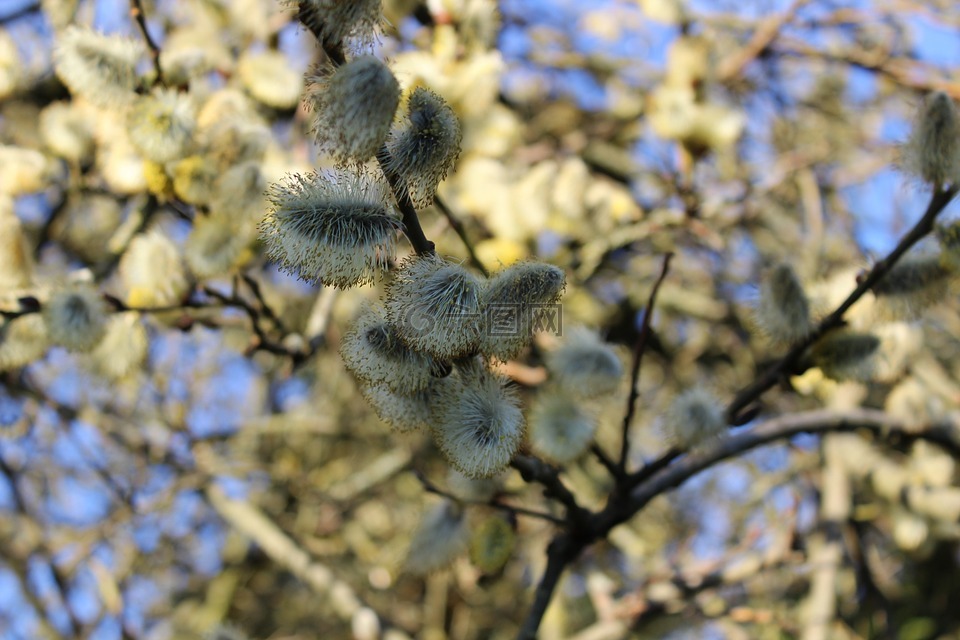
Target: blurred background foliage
column 596, row 136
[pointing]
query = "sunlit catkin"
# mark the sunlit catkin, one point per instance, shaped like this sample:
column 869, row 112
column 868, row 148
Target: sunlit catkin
column 492, row 544
column 441, row 536
column 333, row 228
column 269, row 78
column 101, row 68
column 561, row 429
column 932, row 152
column 516, row 302
column 424, row 146
column 434, row 304
column 76, row 318
column 123, row 347
column 694, row 418
column 584, row 365
column 479, row 424
column 152, row 271
column 216, row 245
column 161, row 125
column 911, row 286
column 16, row 262
column 22, row 340
column 374, row 353
column 783, row 311
column 355, row 105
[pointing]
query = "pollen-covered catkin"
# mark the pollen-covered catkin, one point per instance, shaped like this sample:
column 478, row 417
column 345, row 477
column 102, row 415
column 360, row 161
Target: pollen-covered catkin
column 355, row 105
column 434, row 304
column 423, row 148
column 333, row 228
column 932, row 153
column 783, row 311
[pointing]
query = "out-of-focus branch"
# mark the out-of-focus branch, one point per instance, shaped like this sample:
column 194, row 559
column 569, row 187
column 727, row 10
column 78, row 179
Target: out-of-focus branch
column 136, row 12
column 252, row 523
column 764, row 34
column 639, row 349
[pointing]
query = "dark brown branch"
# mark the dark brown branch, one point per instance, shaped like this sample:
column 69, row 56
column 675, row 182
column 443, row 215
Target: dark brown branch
column 264, row 307
column 535, row 470
column 136, row 12
column 788, row 365
column 623, row 506
column 562, row 551
column 457, row 226
column 411, row 221
column 639, row 349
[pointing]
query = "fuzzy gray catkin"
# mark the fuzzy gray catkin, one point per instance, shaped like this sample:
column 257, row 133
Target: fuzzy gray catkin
column 335, row 228
column 932, row 152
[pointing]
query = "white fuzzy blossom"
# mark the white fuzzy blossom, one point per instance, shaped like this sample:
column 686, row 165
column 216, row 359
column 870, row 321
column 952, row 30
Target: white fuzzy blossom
column 513, row 308
column 479, row 424
column 333, row 228
column 374, row 353
column 434, row 304
column 355, row 105
column 403, row 412
column 425, row 145
column 338, row 21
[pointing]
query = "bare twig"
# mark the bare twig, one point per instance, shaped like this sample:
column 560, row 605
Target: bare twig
column 457, row 226
column 639, row 349
column 429, row 487
column 136, row 12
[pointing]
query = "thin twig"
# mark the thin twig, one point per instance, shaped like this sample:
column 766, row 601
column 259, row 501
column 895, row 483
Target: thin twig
column 429, row 487
column 535, row 470
column 639, row 349
column 264, row 307
column 457, row 226
column 789, row 363
column 136, row 12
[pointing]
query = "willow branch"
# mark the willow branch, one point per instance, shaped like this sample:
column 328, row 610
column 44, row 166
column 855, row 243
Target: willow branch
column 136, row 12
column 457, row 226
column 788, row 365
column 639, row 349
